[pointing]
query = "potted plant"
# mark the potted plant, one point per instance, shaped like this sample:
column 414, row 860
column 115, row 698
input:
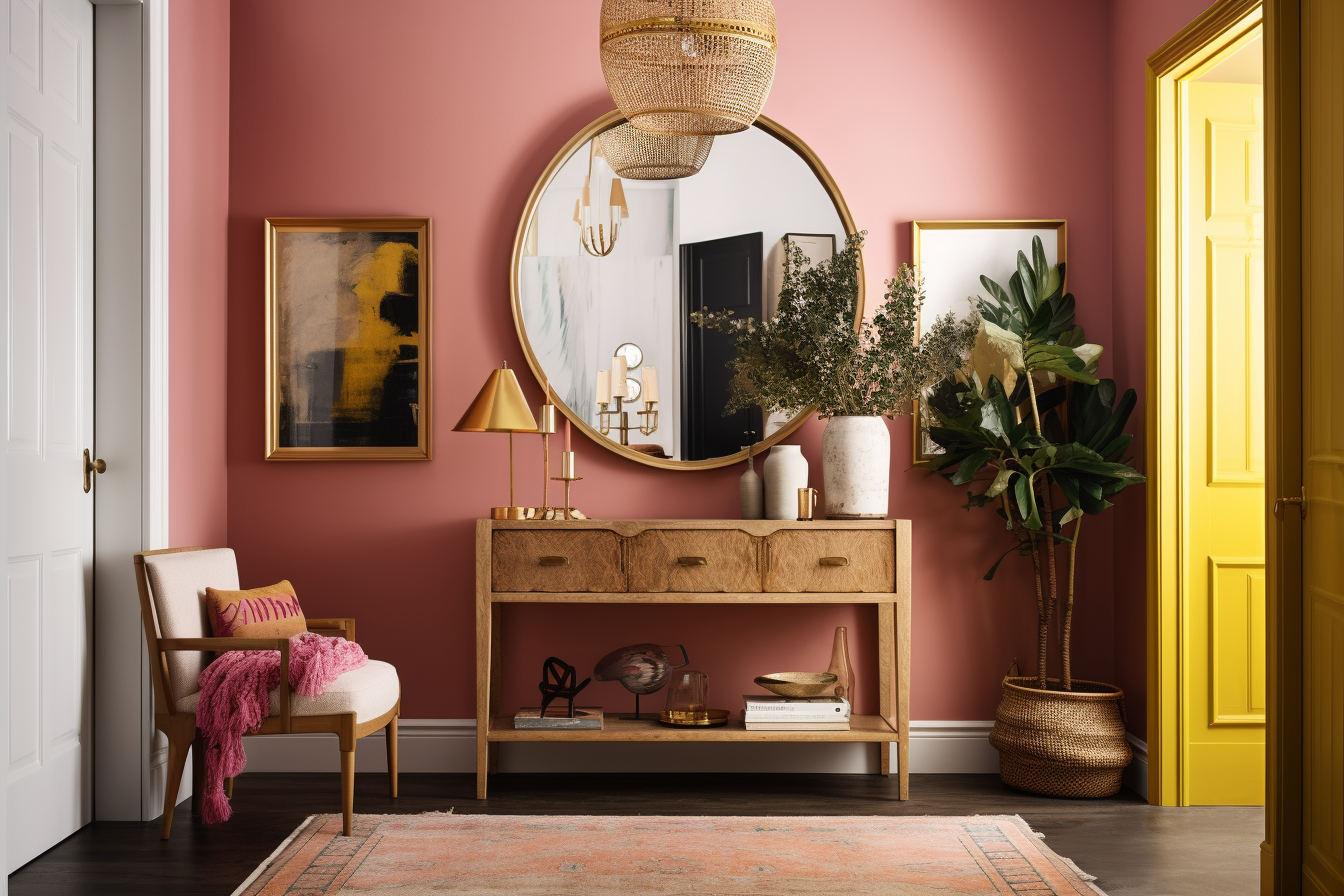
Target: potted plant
column 811, row 353
column 1044, row 470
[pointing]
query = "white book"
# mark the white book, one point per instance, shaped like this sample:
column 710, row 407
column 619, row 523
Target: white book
column 759, row 708
column 791, row 717
column 779, row 725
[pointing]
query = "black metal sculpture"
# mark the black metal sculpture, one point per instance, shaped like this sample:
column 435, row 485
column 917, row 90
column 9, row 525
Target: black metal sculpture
column 557, row 680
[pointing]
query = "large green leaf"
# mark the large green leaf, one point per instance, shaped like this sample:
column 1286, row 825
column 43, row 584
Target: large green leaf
column 970, row 466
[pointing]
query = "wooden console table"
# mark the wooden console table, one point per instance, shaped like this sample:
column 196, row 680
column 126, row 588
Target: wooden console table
column 705, row 562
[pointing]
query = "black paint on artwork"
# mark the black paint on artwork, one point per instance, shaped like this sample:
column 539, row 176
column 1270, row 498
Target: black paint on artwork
column 557, row 680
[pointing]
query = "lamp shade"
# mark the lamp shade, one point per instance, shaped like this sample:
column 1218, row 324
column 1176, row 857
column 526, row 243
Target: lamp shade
column 689, row 67
column 640, row 155
column 499, row 407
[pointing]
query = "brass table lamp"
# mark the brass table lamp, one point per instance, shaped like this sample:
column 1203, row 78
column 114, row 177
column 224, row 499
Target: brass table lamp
column 501, row 407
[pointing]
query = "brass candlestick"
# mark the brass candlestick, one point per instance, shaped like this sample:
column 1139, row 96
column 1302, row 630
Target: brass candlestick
column 567, row 477
column 546, row 426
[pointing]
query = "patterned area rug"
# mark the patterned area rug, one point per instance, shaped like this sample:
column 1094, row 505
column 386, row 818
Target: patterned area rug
column 530, row 855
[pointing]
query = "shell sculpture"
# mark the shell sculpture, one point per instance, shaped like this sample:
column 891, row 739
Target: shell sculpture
column 640, row 668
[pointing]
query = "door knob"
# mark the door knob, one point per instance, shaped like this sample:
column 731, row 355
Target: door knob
column 1301, row 504
column 90, row 467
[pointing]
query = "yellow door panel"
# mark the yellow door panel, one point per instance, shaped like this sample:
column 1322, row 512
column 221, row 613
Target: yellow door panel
column 1323, row 447
column 1230, row 775
column 1223, row 581
column 1237, row 641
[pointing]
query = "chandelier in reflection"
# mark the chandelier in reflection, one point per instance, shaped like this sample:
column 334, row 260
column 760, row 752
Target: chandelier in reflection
column 689, row 67
column 639, row 155
column 596, row 234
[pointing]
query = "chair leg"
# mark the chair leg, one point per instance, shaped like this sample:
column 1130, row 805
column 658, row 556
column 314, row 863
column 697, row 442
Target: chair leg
column 391, row 735
column 347, row 789
column 197, row 772
column 228, row 788
column 178, row 747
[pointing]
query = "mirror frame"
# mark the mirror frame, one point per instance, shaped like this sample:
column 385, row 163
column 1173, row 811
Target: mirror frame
column 609, row 120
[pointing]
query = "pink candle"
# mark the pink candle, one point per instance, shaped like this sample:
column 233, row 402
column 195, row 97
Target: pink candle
column 567, row 448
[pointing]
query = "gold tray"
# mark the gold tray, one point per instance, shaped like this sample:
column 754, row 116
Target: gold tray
column 709, row 718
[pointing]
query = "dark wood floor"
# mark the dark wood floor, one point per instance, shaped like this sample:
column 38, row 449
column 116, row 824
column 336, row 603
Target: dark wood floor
column 1132, row 847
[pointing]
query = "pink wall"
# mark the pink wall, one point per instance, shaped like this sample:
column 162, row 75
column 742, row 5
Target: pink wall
column 1138, row 27
column 970, row 109
column 198, row 195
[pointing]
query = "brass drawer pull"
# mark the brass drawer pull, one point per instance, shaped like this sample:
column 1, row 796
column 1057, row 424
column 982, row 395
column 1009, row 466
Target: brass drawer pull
column 692, row 561
column 834, row 561
column 554, row 561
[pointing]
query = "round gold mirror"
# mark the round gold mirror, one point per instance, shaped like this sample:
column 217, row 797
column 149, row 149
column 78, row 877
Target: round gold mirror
column 612, row 255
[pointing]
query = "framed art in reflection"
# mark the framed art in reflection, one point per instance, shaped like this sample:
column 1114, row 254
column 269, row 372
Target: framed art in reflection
column 347, row 339
column 951, row 256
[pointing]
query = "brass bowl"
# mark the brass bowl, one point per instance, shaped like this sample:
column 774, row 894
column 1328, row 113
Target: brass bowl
column 705, row 718
column 798, row 684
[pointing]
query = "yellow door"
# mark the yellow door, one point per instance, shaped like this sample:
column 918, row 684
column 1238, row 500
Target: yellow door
column 1223, row 644
column 1323, row 448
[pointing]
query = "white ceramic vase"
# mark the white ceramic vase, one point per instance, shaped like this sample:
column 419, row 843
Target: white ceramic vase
column 751, row 493
column 785, row 472
column 856, row 467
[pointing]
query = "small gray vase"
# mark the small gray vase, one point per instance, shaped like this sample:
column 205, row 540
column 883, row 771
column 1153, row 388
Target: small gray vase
column 751, row 492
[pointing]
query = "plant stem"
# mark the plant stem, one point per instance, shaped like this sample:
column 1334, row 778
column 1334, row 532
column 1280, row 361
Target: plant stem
column 1066, row 630
column 1048, row 519
column 1035, row 411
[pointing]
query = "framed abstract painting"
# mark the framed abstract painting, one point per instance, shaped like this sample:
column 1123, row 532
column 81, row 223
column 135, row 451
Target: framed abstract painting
column 951, row 256
column 347, row 339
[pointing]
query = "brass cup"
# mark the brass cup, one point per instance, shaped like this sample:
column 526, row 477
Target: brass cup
column 567, row 465
column 807, row 502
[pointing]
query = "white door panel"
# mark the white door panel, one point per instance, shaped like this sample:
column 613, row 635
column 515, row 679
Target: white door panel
column 49, row 518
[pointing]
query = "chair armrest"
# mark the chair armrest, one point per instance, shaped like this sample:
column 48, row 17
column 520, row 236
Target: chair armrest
column 334, row 627
column 224, row 645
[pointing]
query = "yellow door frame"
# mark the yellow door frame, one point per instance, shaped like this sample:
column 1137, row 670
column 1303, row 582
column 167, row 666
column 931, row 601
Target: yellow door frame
column 1218, row 33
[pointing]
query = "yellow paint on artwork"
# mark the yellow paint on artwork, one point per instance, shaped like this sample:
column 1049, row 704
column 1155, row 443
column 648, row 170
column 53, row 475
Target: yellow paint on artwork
column 371, row 343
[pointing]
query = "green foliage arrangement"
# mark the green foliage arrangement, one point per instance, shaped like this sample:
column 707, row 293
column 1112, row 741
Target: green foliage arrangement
column 810, row 352
column 1059, row 464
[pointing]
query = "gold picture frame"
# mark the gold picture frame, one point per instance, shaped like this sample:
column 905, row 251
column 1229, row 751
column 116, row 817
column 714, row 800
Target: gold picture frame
column 348, row 350
column 976, row 247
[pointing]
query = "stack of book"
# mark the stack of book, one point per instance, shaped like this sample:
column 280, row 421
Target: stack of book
column 766, row 712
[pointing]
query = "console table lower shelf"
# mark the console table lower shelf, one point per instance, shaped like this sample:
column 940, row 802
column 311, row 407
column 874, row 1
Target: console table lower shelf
column 862, row 729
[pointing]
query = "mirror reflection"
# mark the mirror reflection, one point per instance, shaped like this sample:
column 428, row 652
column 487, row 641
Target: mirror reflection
column 615, row 257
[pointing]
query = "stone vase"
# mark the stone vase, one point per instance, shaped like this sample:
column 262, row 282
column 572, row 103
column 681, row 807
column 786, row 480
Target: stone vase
column 856, row 467
column 751, row 492
column 785, row 472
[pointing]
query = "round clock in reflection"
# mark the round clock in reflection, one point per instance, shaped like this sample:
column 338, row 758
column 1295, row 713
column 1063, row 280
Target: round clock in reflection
column 632, row 389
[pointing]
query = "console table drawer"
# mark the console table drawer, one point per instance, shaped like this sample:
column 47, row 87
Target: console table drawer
column 830, row 560
column 666, row 560
column 555, row 560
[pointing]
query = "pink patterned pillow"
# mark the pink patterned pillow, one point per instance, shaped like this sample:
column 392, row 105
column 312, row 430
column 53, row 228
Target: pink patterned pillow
column 270, row 612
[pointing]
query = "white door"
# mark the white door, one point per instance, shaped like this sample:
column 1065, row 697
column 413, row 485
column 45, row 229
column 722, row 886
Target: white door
column 49, row 305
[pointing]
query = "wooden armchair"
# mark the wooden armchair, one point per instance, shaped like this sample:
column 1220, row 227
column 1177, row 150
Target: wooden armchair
column 172, row 587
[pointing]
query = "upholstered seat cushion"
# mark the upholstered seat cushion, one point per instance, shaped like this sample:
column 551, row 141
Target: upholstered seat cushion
column 368, row 692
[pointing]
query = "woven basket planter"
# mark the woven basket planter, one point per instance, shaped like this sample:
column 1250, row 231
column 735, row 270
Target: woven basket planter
column 1061, row 743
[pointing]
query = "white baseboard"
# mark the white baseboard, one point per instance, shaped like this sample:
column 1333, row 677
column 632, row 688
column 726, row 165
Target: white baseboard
column 1136, row 776
column 449, row 745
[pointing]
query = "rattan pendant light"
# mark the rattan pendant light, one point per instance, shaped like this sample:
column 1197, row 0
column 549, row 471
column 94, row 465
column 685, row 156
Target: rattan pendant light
column 639, row 155
column 689, row 67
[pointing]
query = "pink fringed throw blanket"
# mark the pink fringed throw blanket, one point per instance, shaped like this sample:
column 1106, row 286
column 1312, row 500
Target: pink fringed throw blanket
column 235, row 699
